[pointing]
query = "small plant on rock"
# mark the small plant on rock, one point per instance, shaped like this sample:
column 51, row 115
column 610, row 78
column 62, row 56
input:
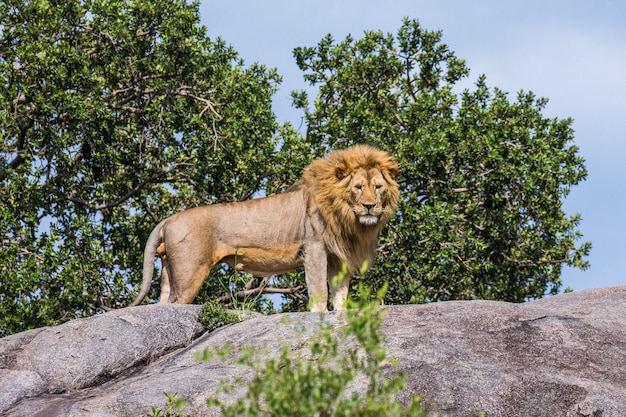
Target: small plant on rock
column 319, row 383
column 214, row 315
column 174, row 402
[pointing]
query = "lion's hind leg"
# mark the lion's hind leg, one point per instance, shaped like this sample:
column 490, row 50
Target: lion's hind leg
column 165, row 283
column 185, row 284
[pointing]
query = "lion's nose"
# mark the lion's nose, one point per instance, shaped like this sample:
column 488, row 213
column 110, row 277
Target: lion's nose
column 369, row 207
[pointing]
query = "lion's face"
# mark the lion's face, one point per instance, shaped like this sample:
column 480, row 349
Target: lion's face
column 355, row 191
column 368, row 195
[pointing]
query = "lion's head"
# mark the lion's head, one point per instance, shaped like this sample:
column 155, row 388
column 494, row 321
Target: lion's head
column 356, row 193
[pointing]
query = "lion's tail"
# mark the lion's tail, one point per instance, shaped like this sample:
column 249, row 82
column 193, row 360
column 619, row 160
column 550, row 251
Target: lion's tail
column 149, row 255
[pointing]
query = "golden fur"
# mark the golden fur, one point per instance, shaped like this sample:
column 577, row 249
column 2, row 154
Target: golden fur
column 330, row 217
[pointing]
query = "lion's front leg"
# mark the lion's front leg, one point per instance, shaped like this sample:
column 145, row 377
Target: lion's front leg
column 339, row 292
column 315, row 271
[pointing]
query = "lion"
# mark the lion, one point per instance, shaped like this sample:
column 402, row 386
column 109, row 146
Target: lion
column 330, row 217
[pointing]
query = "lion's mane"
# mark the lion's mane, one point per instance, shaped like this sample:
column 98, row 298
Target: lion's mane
column 328, row 183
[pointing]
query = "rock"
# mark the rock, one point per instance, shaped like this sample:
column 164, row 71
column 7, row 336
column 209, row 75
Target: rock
column 89, row 352
column 559, row 356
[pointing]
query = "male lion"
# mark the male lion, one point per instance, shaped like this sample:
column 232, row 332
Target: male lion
column 330, row 217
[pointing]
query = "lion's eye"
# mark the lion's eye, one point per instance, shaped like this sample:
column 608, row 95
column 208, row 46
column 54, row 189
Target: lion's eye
column 378, row 186
column 358, row 187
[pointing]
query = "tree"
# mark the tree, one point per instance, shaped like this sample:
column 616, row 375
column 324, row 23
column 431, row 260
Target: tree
column 113, row 115
column 483, row 178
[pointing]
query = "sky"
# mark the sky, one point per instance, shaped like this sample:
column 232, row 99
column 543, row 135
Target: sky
column 571, row 52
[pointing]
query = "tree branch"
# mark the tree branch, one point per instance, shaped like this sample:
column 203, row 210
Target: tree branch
column 21, row 139
column 261, row 289
column 133, row 192
column 375, row 91
column 254, row 189
column 183, row 91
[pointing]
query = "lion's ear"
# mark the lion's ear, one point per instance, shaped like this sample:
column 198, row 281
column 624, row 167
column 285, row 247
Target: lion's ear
column 393, row 170
column 389, row 167
column 341, row 170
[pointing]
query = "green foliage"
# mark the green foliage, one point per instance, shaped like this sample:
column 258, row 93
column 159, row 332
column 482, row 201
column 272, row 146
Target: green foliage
column 173, row 404
column 114, row 115
column 214, row 315
column 483, row 177
column 289, row 385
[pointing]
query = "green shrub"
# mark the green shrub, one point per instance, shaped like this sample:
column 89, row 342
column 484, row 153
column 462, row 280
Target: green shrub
column 317, row 382
column 318, row 385
column 214, row 315
column 174, row 402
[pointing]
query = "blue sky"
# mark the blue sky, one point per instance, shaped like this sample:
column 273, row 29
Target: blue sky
column 572, row 52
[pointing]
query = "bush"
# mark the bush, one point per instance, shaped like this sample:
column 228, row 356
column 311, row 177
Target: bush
column 319, row 386
column 214, row 315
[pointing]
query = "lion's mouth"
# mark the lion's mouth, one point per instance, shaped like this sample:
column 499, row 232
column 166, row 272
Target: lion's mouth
column 368, row 220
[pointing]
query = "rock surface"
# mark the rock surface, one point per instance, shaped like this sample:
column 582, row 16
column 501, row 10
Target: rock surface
column 559, row 356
